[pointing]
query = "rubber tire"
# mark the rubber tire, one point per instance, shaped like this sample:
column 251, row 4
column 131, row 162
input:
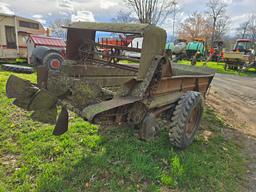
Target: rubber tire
column 17, row 68
column 180, row 117
column 47, row 59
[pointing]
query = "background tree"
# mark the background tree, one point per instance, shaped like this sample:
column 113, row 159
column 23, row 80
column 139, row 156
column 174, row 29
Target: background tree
column 243, row 29
column 216, row 10
column 151, row 11
column 57, row 29
column 247, row 29
column 124, row 17
column 175, row 10
column 195, row 26
column 252, row 27
column 222, row 27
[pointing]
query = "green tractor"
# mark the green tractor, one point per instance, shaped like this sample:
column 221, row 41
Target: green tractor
column 196, row 50
column 169, row 47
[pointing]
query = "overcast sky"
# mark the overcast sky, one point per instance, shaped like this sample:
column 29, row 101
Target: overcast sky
column 46, row 11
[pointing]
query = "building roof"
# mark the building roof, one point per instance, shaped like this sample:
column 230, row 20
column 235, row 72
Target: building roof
column 47, row 41
column 7, row 15
column 19, row 17
column 111, row 27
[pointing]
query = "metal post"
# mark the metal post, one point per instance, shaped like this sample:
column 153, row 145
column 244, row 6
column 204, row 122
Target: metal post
column 17, row 38
column 174, row 17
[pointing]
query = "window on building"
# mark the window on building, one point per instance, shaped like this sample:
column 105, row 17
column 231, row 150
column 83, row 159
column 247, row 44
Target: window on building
column 10, row 37
column 29, row 25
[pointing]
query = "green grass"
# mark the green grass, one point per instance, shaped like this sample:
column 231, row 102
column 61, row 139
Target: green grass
column 219, row 67
column 21, row 61
column 86, row 159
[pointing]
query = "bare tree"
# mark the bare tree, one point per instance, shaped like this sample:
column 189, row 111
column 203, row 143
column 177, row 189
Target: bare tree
column 247, row 29
column 243, row 29
column 195, row 26
column 216, row 10
column 152, row 11
column 222, row 26
column 57, row 27
column 175, row 10
column 252, row 27
column 124, row 17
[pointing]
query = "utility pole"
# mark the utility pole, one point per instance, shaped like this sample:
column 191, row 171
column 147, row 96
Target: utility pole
column 16, row 36
column 174, row 3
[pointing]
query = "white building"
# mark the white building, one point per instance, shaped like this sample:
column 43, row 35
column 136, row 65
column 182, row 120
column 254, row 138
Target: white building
column 14, row 31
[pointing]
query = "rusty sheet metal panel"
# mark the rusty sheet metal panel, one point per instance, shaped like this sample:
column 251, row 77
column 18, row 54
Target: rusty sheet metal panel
column 140, row 86
column 110, row 27
column 91, row 111
column 76, row 38
column 42, row 76
column 164, row 100
column 59, row 84
column 109, row 81
column 95, row 71
column 17, row 87
column 181, row 70
column 168, row 85
column 167, row 69
column 189, row 84
column 183, row 84
column 153, row 44
column 203, row 84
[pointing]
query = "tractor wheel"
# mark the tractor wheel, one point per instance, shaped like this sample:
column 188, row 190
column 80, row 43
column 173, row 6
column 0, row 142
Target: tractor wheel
column 149, row 128
column 17, row 68
column 53, row 61
column 186, row 119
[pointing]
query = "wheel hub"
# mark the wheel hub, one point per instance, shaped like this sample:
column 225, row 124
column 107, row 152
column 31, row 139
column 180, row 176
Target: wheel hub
column 192, row 121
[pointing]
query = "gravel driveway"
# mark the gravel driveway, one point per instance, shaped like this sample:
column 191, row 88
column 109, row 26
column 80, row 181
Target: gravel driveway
column 234, row 100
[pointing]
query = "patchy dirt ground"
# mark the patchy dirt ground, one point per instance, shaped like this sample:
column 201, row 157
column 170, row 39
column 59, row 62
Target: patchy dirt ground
column 234, row 99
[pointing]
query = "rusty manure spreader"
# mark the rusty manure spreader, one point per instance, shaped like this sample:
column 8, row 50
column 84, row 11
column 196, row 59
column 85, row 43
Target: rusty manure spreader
column 104, row 89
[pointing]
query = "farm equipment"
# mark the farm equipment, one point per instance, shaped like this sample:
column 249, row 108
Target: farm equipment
column 117, row 40
column 176, row 49
column 107, row 92
column 242, row 57
column 216, row 53
column 196, row 50
column 169, row 49
column 121, row 40
column 179, row 49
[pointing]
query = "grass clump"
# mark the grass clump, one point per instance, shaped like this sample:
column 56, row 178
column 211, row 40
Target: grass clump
column 83, row 159
column 219, row 67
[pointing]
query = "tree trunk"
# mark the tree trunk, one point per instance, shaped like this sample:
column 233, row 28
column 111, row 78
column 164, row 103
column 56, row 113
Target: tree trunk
column 213, row 31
